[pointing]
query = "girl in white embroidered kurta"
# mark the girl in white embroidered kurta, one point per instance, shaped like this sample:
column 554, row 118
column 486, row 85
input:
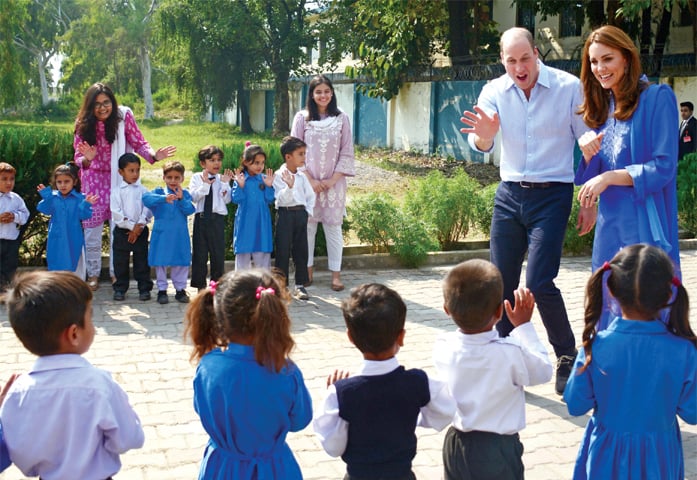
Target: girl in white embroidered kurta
column 103, row 132
column 327, row 132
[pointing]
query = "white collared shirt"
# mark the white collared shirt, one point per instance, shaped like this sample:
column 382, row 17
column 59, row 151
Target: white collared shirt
column 11, row 202
column 127, row 207
column 66, row 419
column 486, row 375
column 301, row 193
column 332, row 430
column 200, row 189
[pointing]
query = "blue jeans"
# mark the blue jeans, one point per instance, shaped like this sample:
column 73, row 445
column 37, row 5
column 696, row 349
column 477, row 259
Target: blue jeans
column 533, row 220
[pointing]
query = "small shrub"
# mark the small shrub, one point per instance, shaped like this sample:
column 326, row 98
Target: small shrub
column 574, row 244
column 446, row 204
column 687, row 193
column 412, row 241
column 374, row 220
column 485, row 208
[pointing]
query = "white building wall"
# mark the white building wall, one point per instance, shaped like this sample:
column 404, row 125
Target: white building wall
column 257, row 113
column 409, row 116
column 345, row 99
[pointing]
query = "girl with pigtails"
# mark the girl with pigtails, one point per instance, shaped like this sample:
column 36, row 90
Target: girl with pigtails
column 638, row 374
column 247, row 392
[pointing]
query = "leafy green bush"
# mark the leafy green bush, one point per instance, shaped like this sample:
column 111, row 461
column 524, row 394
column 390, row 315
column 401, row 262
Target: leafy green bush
column 34, row 152
column 374, row 219
column 412, row 241
column 573, row 243
column 449, row 205
column 687, row 193
column 485, row 208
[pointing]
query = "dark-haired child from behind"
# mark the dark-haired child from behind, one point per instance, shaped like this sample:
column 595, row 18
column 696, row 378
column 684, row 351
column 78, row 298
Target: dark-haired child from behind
column 131, row 219
column 638, row 375
column 210, row 192
column 295, row 201
column 64, row 419
column 370, row 418
column 247, row 392
column 487, row 374
column 13, row 214
column 170, row 244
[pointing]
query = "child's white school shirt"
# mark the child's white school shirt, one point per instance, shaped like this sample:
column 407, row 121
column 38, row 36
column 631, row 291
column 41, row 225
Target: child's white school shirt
column 127, row 207
column 66, row 419
column 11, row 202
column 300, row 194
column 486, row 375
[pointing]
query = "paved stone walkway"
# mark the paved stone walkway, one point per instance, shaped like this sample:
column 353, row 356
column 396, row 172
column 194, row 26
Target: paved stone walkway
column 142, row 345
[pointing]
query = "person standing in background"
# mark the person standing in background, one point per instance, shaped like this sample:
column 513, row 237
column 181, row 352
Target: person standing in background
column 687, row 142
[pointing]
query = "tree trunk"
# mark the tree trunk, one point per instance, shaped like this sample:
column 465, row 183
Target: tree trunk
column 43, row 62
column 661, row 36
column 146, row 76
column 645, row 43
column 612, row 17
column 595, row 11
column 458, row 23
column 243, row 107
column 280, row 102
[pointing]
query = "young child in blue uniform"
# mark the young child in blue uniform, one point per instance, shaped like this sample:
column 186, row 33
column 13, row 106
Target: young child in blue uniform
column 64, row 419
column 638, row 374
column 13, row 214
column 67, row 207
column 486, row 374
column 170, row 245
column 370, row 418
column 210, row 192
column 253, row 192
column 130, row 218
column 247, row 392
column 4, row 454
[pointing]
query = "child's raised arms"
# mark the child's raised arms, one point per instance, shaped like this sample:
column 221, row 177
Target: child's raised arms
column 268, row 178
column 524, row 307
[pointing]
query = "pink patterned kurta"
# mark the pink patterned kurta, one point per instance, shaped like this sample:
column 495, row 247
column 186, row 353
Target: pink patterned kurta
column 97, row 178
column 329, row 150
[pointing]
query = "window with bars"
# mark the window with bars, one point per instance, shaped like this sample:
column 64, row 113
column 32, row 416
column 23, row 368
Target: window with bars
column 571, row 20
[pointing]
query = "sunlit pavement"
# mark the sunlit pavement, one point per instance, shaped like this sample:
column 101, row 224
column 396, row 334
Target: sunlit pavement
column 142, row 345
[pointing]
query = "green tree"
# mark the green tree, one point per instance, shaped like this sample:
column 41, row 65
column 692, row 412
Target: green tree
column 102, row 44
column 12, row 78
column 34, row 27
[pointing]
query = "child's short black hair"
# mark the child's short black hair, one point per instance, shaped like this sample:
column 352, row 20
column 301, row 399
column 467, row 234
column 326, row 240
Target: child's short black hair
column 41, row 305
column 173, row 165
column 208, row 151
column 472, row 292
column 127, row 158
column 290, row 144
column 375, row 316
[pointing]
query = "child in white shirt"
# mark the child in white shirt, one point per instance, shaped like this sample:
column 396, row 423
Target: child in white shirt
column 486, row 374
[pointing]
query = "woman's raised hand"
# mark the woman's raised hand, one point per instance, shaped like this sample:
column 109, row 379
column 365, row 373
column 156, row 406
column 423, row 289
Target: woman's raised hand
column 88, row 152
column 165, row 152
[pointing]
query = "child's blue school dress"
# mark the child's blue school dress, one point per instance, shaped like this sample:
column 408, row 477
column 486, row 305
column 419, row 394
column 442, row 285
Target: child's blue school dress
column 66, row 239
column 640, row 377
column 247, row 410
column 4, row 454
column 170, row 245
column 253, row 231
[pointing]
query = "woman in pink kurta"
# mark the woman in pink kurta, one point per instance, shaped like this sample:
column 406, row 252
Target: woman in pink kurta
column 327, row 132
column 103, row 132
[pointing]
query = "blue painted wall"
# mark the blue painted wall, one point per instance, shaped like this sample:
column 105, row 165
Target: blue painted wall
column 370, row 121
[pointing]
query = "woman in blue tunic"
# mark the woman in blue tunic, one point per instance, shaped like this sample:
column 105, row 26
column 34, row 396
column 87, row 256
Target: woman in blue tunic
column 630, row 157
column 247, row 392
column 638, row 374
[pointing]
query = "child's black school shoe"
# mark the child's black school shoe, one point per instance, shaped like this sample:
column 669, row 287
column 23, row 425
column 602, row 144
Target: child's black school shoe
column 119, row 296
column 162, row 297
column 144, row 296
column 181, row 296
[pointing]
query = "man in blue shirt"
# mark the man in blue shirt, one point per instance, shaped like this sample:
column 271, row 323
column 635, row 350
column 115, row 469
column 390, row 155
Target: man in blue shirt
column 535, row 108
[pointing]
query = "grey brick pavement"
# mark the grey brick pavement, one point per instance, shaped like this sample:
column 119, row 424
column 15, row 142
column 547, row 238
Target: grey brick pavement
column 142, row 345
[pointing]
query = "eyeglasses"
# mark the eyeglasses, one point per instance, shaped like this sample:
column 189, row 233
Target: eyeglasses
column 104, row 104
